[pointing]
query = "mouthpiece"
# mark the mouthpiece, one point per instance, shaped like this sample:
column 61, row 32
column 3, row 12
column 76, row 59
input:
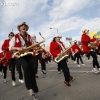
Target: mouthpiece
column 39, row 33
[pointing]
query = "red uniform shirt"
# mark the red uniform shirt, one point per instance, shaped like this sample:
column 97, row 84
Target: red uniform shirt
column 5, row 47
column 85, row 40
column 55, row 49
column 76, row 47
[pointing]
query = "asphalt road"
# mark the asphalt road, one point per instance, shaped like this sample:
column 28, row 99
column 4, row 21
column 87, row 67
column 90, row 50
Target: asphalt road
column 51, row 87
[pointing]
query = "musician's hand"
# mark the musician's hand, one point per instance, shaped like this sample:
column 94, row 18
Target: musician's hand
column 95, row 41
column 20, row 49
column 58, row 54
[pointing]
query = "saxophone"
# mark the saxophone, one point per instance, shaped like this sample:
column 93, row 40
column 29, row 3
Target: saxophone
column 26, row 51
column 63, row 55
column 2, row 59
column 92, row 45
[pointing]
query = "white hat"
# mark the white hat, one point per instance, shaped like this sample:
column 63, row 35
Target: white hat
column 75, row 40
column 57, row 35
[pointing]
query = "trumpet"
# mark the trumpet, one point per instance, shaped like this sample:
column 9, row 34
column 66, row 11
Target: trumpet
column 26, row 51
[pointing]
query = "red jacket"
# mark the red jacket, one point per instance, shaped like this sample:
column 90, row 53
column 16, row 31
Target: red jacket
column 55, row 49
column 5, row 47
column 85, row 40
column 76, row 47
column 4, row 62
column 1, row 55
column 94, row 39
column 97, row 43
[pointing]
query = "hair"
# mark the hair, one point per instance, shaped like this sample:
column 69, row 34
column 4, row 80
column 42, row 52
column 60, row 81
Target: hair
column 24, row 23
column 54, row 39
column 11, row 33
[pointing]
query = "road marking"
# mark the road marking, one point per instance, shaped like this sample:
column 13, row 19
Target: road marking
column 71, row 71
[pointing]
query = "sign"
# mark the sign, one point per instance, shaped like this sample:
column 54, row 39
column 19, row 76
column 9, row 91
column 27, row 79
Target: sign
column 68, row 38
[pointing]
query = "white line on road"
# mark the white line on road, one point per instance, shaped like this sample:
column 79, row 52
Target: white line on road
column 71, row 71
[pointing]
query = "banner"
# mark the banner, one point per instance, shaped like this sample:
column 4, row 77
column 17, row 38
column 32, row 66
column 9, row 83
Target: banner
column 68, row 38
column 96, row 33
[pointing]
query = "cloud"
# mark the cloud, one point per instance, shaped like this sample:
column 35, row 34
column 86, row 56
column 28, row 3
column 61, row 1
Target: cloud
column 66, row 7
column 92, row 25
column 41, row 15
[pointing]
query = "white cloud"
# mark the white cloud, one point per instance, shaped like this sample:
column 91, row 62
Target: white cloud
column 66, row 7
column 92, row 25
column 40, row 17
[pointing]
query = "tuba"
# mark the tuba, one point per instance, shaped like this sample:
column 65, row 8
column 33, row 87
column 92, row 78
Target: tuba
column 63, row 55
column 26, row 51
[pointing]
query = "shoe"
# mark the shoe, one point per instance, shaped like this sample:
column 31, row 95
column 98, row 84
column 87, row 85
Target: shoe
column 78, row 65
column 59, row 72
column 13, row 83
column 5, row 80
column 67, row 62
column 98, row 55
column 21, row 81
column 83, row 64
column 67, row 84
column 36, row 76
column 74, row 61
column 1, row 73
column 99, row 69
column 35, row 96
column 43, row 71
column 95, row 70
column 72, row 79
column 30, row 92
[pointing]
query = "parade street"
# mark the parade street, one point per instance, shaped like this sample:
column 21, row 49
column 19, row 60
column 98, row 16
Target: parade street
column 86, row 86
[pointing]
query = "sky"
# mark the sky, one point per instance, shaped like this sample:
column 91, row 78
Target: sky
column 69, row 17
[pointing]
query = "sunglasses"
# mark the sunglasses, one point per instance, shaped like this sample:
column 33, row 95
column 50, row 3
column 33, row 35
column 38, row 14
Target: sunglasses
column 11, row 35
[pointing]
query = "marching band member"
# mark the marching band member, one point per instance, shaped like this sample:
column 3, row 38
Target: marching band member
column 85, row 40
column 3, row 64
column 77, row 53
column 7, row 53
column 38, row 56
column 11, row 61
column 56, row 47
column 20, row 41
column 48, row 57
column 95, row 40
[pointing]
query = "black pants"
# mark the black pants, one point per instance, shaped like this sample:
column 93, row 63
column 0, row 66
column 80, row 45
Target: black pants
column 1, row 67
column 88, row 55
column 72, row 57
column 59, row 67
column 29, row 73
column 4, row 68
column 63, row 65
column 78, row 56
column 42, row 61
column 95, row 60
column 5, row 71
column 12, row 67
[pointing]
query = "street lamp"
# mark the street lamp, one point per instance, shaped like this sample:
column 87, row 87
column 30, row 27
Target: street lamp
column 55, row 29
